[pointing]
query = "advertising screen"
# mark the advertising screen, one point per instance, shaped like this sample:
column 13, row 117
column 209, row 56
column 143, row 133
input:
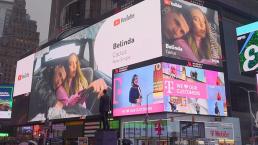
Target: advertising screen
column 190, row 32
column 84, row 61
column 193, row 90
column 136, row 91
column 6, row 101
column 170, row 88
column 247, row 38
column 65, row 83
column 23, row 75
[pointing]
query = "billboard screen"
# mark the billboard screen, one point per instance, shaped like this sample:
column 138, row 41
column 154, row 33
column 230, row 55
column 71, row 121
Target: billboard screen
column 138, row 91
column 114, row 42
column 169, row 87
column 65, row 83
column 193, row 90
column 23, row 75
column 6, row 101
column 247, row 38
column 190, row 32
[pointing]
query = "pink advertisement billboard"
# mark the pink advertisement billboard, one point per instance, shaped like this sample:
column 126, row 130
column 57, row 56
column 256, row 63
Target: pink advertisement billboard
column 138, row 91
column 165, row 87
column 193, row 90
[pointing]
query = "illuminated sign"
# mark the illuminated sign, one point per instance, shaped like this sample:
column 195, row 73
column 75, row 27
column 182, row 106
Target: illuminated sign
column 247, row 38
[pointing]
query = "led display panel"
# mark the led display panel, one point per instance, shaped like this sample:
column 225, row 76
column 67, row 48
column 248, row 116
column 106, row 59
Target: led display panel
column 69, row 75
column 193, row 90
column 138, row 91
column 247, row 38
column 23, row 77
column 6, row 101
column 190, row 32
column 166, row 87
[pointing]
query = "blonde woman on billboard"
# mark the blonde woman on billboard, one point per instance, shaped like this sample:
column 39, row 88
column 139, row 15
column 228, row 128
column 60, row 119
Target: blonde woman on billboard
column 68, row 86
column 200, row 39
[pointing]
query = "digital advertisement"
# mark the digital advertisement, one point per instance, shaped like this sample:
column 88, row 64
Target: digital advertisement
column 65, row 83
column 6, row 101
column 182, row 89
column 247, row 38
column 84, row 61
column 125, row 37
column 133, row 91
column 193, row 90
column 190, row 32
column 23, row 77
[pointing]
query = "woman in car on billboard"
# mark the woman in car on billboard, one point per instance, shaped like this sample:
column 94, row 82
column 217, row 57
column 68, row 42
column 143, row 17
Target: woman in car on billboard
column 69, row 87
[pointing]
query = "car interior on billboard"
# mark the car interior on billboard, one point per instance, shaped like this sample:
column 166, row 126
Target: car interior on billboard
column 70, row 75
column 190, row 32
column 65, row 81
column 247, row 38
column 170, row 88
column 6, row 101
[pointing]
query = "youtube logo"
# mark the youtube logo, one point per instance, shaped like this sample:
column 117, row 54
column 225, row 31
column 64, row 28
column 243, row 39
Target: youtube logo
column 167, row 2
column 19, row 77
column 116, row 22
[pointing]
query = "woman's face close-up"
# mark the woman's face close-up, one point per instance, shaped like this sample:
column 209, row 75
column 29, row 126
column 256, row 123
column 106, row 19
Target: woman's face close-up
column 135, row 80
column 72, row 66
column 175, row 26
column 199, row 26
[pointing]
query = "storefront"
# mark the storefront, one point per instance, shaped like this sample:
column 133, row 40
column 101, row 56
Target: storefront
column 180, row 129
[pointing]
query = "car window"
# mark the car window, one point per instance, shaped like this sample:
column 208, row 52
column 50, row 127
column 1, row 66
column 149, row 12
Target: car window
column 37, row 64
column 62, row 51
column 86, row 54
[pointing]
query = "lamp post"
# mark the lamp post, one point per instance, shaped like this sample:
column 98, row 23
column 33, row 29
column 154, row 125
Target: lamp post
column 250, row 110
column 146, row 119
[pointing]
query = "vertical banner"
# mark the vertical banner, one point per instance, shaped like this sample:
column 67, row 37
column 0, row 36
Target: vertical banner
column 6, row 101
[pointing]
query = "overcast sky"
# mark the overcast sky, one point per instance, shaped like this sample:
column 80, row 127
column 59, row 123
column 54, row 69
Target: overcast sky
column 39, row 10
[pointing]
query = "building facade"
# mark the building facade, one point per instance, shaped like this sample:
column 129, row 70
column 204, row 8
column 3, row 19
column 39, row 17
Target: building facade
column 66, row 14
column 5, row 6
column 19, row 36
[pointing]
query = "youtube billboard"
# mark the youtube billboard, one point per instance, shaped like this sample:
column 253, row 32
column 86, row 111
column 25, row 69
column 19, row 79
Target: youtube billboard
column 23, row 76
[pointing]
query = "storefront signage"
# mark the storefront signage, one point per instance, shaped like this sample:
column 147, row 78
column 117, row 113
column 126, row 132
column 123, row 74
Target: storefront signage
column 219, row 130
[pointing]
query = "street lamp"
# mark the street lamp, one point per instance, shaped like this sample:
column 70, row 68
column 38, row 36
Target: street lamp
column 250, row 109
column 146, row 119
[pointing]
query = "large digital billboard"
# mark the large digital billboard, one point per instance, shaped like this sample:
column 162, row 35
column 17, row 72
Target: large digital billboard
column 23, row 77
column 247, row 38
column 193, row 90
column 6, row 101
column 138, row 91
column 170, row 88
column 65, row 83
column 190, row 32
column 114, row 42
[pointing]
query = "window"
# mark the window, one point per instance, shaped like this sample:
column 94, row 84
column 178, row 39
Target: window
column 192, row 129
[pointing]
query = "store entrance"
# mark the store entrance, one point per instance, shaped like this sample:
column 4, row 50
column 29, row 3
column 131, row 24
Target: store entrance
column 152, row 141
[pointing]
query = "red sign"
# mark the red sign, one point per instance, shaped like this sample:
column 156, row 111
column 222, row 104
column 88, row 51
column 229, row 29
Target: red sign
column 219, row 134
column 158, row 127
